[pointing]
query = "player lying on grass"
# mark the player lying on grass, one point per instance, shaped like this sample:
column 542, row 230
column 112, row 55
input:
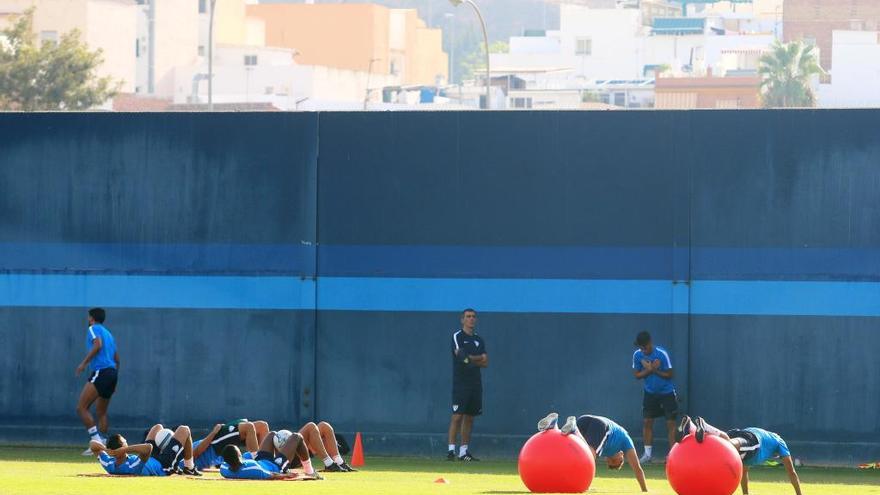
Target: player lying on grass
column 756, row 446
column 605, row 438
column 268, row 463
column 149, row 458
column 207, row 452
column 321, row 441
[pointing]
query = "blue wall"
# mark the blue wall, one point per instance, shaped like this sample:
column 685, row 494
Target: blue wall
column 293, row 266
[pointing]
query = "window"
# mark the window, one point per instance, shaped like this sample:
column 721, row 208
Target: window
column 49, row 37
column 201, row 50
column 620, row 99
column 203, row 6
column 250, row 60
column 583, row 46
column 521, row 102
column 137, row 47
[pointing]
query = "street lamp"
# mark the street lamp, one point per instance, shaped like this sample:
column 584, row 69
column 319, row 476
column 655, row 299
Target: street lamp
column 211, row 57
column 456, row 3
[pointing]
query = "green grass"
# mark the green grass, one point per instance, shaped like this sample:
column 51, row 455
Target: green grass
column 25, row 471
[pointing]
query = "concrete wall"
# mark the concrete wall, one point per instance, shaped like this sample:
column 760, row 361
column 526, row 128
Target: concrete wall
column 751, row 255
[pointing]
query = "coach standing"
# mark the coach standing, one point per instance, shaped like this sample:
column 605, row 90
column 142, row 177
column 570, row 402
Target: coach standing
column 468, row 357
column 103, row 360
column 652, row 364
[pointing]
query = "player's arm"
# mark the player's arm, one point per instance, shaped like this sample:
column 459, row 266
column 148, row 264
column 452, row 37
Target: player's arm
column 664, row 374
column 642, row 368
column 206, row 442
column 745, row 481
column 282, row 476
column 481, row 360
column 792, row 474
column 116, row 358
column 660, row 364
column 142, row 450
column 96, row 447
column 96, row 346
column 633, row 460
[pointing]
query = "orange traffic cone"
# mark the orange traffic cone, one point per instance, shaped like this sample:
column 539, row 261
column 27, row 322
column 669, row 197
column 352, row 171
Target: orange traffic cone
column 357, row 456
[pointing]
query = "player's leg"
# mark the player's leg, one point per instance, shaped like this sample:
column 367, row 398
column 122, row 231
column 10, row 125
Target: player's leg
column 669, row 403
column 467, row 425
column 247, row 432
column 471, row 407
column 101, row 406
column 650, row 409
column 685, row 427
column 87, row 396
column 328, row 436
column 262, row 429
column 454, row 428
column 295, row 446
column 315, row 444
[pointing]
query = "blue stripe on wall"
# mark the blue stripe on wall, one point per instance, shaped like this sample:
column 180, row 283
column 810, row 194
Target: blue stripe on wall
column 431, row 294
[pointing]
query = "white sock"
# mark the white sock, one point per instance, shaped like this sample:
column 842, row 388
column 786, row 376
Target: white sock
column 338, row 459
column 328, row 461
column 648, row 450
column 463, row 450
column 452, row 447
column 307, row 466
column 188, row 463
column 93, row 432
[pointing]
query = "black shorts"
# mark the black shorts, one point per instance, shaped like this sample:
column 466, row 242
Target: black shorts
column 656, row 405
column 467, row 401
column 594, row 432
column 752, row 446
column 228, row 435
column 278, row 459
column 104, row 381
column 169, row 456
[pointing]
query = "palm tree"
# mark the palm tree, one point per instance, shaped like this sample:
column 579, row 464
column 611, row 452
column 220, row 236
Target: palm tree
column 785, row 75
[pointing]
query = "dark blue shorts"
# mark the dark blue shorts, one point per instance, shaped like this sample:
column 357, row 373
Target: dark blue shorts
column 104, row 381
column 656, row 405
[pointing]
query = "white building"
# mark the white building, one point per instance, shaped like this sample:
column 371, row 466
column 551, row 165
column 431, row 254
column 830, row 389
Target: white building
column 855, row 76
column 167, row 38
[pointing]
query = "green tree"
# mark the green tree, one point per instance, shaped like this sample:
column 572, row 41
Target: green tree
column 475, row 61
column 49, row 76
column 785, row 75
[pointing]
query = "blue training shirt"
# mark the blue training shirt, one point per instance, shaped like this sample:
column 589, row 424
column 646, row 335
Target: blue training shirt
column 133, row 465
column 770, row 445
column 104, row 357
column 655, row 384
column 249, row 470
column 616, row 440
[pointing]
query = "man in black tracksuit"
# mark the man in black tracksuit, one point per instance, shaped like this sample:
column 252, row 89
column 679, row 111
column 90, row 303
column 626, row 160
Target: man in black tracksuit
column 468, row 357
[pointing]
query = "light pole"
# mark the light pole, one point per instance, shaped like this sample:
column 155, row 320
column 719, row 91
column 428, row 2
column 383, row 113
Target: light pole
column 450, row 18
column 369, row 75
column 211, row 57
column 456, row 3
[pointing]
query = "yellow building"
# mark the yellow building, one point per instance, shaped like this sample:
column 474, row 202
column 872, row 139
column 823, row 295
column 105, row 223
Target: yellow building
column 108, row 25
column 358, row 37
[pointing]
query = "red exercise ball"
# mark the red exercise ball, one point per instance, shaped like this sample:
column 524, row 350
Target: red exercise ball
column 709, row 468
column 551, row 462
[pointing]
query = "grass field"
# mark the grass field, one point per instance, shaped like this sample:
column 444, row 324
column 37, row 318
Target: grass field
column 26, row 471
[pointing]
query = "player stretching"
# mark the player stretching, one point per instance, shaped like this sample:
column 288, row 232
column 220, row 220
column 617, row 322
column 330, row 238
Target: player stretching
column 103, row 360
column 605, row 438
column 321, row 441
column 150, row 458
column 267, row 463
column 756, row 446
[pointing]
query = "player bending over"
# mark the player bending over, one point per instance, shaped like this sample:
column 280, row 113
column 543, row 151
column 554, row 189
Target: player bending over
column 605, row 438
column 756, row 446
column 268, row 463
column 321, row 441
column 147, row 459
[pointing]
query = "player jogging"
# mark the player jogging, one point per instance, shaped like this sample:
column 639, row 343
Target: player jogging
column 267, row 463
column 756, row 446
column 151, row 458
column 606, row 439
column 103, row 360
column 468, row 357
